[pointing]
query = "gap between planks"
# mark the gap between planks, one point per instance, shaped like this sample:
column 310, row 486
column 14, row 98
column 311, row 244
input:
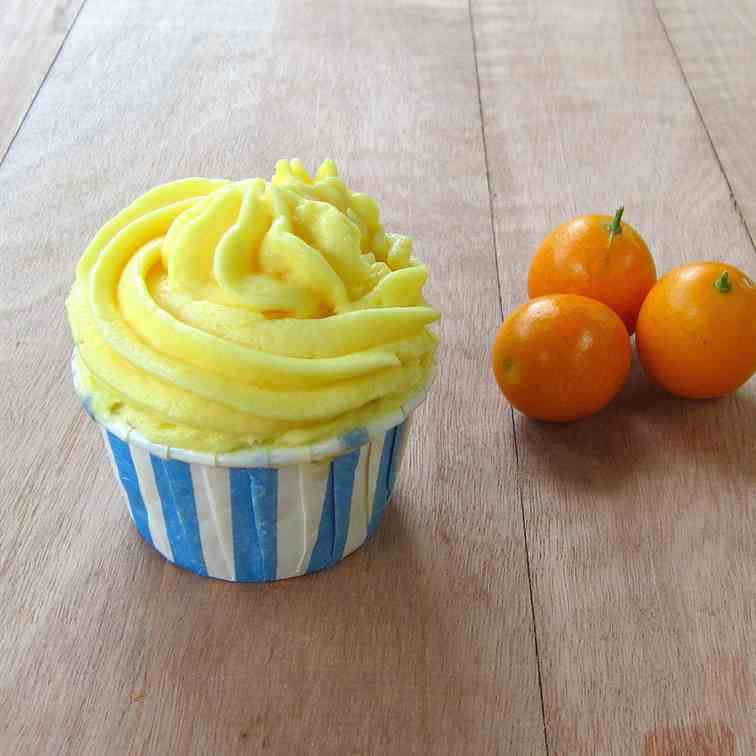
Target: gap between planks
column 680, row 66
column 42, row 82
column 511, row 409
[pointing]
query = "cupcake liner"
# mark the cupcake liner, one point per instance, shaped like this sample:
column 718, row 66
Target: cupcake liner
column 259, row 515
column 252, row 524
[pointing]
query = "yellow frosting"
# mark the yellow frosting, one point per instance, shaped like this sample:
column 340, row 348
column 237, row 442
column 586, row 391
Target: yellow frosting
column 216, row 315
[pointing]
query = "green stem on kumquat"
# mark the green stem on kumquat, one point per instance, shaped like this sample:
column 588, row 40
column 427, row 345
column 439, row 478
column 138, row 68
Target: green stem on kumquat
column 615, row 227
column 723, row 283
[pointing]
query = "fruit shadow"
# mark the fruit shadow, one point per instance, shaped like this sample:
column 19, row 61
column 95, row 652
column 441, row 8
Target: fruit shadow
column 644, row 433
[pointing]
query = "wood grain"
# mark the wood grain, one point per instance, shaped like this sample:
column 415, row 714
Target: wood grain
column 31, row 33
column 419, row 643
column 639, row 520
column 715, row 43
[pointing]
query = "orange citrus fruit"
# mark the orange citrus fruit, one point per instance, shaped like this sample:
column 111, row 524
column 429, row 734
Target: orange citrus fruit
column 697, row 330
column 561, row 357
column 599, row 257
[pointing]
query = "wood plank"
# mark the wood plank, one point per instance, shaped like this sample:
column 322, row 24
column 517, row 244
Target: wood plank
column 640, row 519
column 31, row 33
column 422, row 641
column 714, row 43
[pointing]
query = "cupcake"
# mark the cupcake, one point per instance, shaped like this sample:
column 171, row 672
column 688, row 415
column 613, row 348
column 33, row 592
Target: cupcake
column 252, row 352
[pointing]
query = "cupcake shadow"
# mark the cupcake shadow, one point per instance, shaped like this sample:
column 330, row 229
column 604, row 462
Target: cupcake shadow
column 363, row 636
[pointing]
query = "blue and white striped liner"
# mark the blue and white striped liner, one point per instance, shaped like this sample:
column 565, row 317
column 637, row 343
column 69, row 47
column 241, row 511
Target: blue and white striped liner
column 260, row 523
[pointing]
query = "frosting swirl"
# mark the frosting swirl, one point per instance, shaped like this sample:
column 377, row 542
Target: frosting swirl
column 215, row 315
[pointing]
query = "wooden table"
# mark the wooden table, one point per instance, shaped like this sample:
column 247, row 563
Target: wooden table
column 586, row 589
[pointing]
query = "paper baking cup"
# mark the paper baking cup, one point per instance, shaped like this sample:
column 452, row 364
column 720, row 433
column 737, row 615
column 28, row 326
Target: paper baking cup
column 259, row 523
column 260, row 515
